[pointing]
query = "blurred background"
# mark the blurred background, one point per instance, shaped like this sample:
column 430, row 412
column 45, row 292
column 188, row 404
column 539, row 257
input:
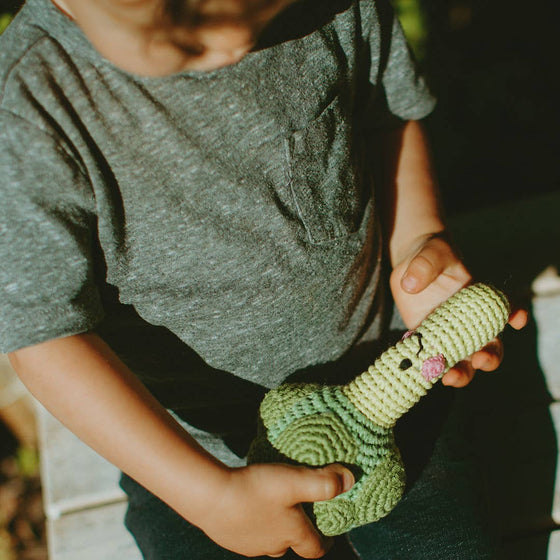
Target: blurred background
column 495, row 136
column 492, row 65
column 22, row 526
column 22, row 520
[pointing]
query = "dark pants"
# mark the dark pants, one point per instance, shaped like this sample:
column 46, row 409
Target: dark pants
column 442, row 515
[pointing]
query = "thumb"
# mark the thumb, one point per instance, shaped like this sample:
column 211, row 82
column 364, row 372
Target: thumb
column 424, row 268
column 433, row 257
column 317, row 485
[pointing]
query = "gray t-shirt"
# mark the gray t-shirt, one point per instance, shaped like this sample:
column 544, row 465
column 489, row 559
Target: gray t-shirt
column 217, row 228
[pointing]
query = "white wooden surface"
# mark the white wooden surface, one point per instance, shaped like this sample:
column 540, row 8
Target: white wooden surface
column 74, row 477
column 546, row 311
column 555, row 413
column 92, row 534
column 554, row 546
column 83, row 502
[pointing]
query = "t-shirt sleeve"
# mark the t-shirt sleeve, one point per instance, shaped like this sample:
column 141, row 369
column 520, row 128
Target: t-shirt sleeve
column 47, row 230
column 402, row 92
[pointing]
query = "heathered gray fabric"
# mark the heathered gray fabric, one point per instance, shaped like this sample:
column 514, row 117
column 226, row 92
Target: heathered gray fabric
column 231, row 208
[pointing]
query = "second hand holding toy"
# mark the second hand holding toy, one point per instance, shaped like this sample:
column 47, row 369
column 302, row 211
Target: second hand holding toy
column 353, row 424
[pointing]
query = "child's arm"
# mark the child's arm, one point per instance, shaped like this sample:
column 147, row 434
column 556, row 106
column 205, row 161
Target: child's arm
column 426, row 270
column 253, row 510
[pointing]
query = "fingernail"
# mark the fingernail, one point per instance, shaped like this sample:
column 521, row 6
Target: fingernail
column 449, row 379
column 347, row 480
column 346, row 475
column 409, row 283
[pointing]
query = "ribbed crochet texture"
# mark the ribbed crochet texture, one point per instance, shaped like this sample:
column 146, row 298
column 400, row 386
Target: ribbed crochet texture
column 353, row 424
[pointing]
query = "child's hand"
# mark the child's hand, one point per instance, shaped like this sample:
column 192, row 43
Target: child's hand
column 259, row 512
column 429, row 275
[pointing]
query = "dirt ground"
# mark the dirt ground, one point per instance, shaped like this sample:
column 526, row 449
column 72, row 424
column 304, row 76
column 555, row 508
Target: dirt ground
column 22, row 521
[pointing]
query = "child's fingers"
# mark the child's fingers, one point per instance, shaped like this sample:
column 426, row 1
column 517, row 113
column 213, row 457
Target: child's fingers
column 434, row 257
column 487, row 359
column 518, row 318
column 490, row 357
column 305, row 485
column 421, row 272
column 317, row 485
column 310, row 544
column 459, row 375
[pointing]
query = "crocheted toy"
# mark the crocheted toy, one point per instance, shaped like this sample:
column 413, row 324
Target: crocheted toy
column 353, row 424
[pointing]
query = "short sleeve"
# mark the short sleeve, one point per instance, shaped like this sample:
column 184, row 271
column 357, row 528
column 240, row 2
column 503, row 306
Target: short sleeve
column 47, row 231
column 402, row 90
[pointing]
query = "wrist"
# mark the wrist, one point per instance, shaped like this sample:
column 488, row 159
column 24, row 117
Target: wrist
column 192, row 483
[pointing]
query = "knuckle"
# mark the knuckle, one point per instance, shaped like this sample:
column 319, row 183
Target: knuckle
column 424, row 266
column 422, row 263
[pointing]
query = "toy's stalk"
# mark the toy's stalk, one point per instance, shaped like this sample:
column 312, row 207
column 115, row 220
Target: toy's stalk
column 403, row 375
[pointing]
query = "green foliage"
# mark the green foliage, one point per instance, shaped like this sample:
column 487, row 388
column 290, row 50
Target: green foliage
column 414, row 24
column 5, row 20
column 28, row 462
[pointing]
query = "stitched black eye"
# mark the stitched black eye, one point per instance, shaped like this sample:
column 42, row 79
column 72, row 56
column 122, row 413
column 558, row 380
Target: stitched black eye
column 405, row 364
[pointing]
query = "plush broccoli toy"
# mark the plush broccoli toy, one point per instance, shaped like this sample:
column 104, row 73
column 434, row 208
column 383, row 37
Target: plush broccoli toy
column 353, row 424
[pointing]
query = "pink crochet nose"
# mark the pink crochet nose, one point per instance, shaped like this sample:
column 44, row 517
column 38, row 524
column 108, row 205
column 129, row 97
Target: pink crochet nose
column 433, row 367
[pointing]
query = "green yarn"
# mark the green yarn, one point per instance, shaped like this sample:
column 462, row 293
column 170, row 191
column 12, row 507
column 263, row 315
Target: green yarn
column 353, row 424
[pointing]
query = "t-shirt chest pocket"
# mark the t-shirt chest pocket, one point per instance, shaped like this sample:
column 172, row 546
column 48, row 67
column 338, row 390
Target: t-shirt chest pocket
column 326, row 176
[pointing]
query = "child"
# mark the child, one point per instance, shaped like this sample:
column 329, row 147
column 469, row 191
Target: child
column 187, row 206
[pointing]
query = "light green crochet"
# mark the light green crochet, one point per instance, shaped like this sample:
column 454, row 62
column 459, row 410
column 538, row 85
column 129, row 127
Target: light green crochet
column 353, row 424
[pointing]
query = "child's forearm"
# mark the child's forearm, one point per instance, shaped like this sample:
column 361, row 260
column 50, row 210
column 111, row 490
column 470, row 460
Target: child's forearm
column 412, row 208
column 253, row 511
column 81, row 381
